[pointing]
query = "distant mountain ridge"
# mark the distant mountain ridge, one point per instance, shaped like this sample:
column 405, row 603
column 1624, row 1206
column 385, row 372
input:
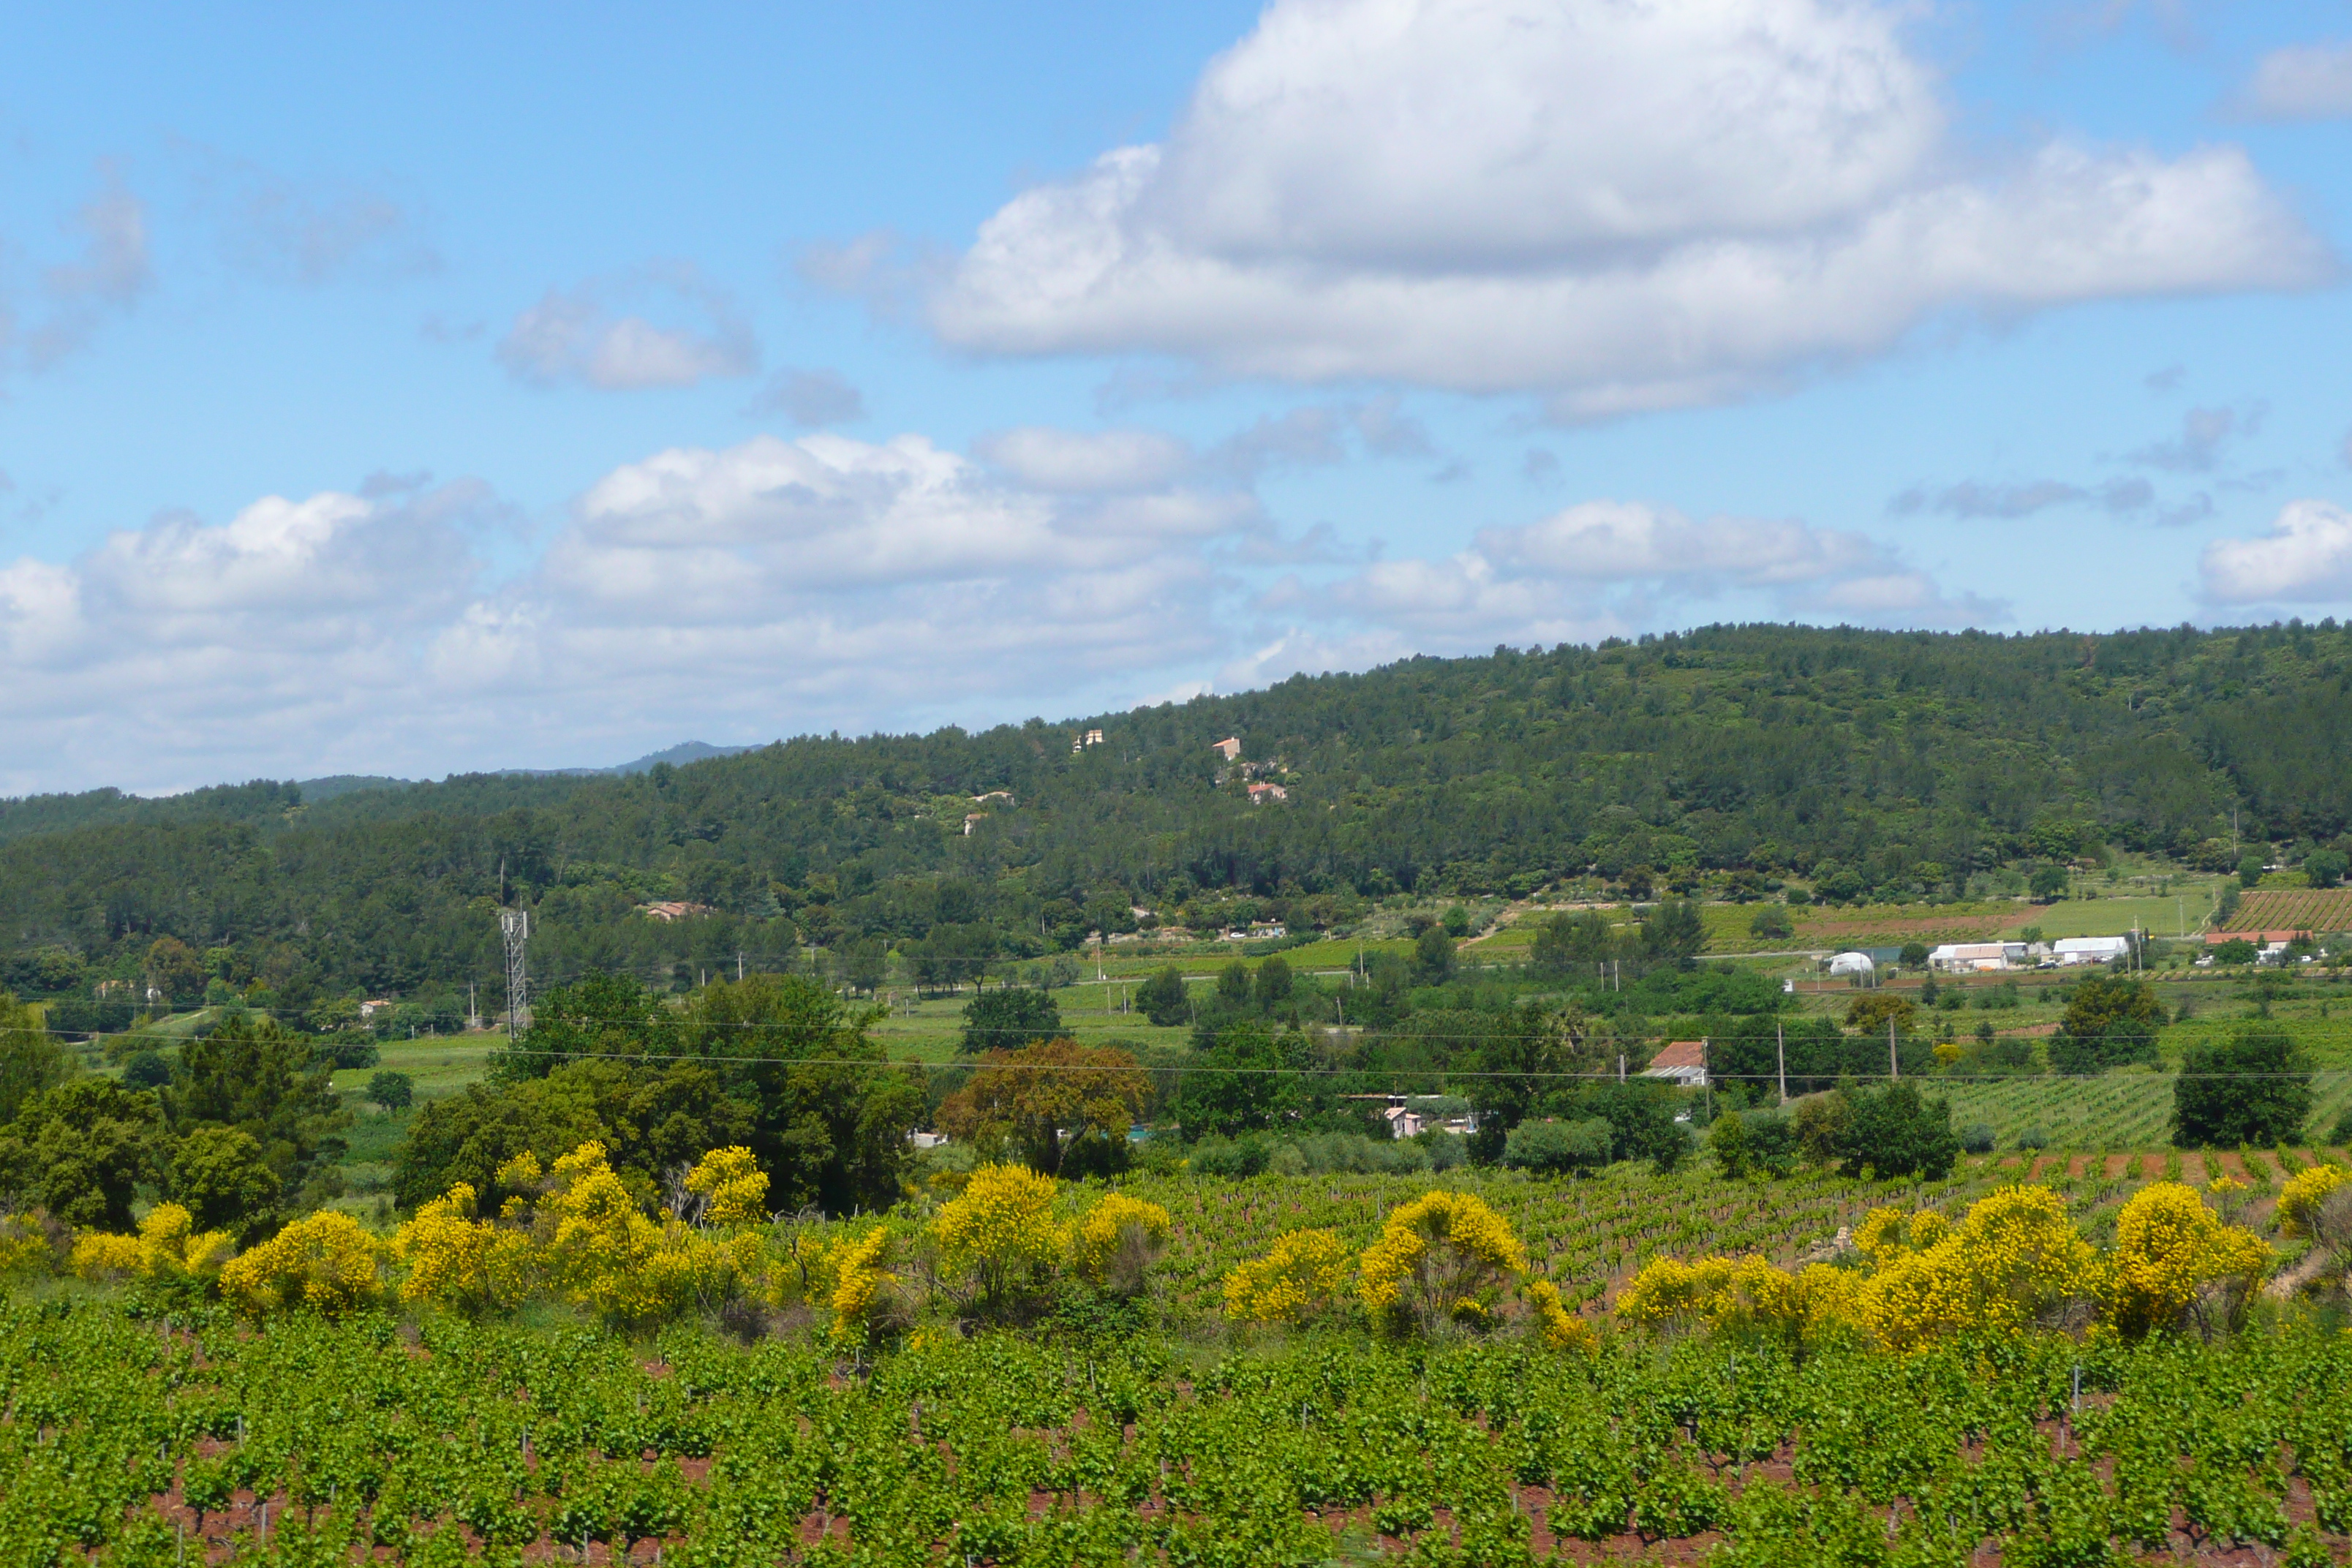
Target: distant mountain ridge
column 265, row 797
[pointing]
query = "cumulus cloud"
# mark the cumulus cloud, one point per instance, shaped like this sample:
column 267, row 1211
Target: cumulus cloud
column 2306, row 81
column 2305, row 557
column 773, row 586
column 589, row 336
column 292, row 618
column 1619, row 206
column 1059, row 460
column 1600, row 563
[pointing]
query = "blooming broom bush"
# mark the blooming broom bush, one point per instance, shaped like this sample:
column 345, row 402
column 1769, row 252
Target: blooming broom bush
column 322, row 1261
column 1298, row 1279
column 462, row 1263
column 1444, row 1256
column 168, row 1246
column 998, row 1239
column 1117, row 1241
column 2169, row 1248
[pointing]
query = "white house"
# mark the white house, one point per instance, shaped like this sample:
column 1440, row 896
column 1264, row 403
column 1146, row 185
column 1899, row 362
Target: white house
column 1963, row 957
column 1852, row 963
column 1684, row 1062
column 2071, row 950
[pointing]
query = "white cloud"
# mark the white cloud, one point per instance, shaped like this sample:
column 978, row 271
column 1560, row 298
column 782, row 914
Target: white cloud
column 579, row 335
column 2306, row 556
column 2307, row 81
column 771, row 587
column 1619, row 205
column 1592, row 569
column 1050, row 459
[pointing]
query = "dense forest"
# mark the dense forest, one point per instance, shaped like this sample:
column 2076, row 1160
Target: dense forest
column 1723, row 762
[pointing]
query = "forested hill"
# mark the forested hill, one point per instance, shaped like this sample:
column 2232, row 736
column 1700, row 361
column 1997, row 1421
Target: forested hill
column 1861, row 760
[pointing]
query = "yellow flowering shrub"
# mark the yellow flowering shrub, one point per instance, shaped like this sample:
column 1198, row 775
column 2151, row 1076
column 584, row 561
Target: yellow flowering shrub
column 168, row 1246
column 2168, row 1248
column 1886, row 1233
column 1562, row 1330
column 2304, row 1191
column 102, row 1256
column 867, row 1295
column 733, row 1186
column 1743, row 1297
column 2014, row 1257
column 1117, row 1239
column 998, row 1233
column 1442, row 1255
column 323, row 1261
column 460, row 1262
column 1297, row 1279
column 22, row 1248
column 608, row 1256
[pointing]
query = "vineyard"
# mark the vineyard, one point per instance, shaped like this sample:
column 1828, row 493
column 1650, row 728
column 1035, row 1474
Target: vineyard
column 2294, row 908
column 153, row 1441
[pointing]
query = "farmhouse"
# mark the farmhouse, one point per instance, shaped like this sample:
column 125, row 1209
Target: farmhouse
column 1684, row 1062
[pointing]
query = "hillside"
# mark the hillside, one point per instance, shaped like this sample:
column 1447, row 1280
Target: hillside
column 1724, row 762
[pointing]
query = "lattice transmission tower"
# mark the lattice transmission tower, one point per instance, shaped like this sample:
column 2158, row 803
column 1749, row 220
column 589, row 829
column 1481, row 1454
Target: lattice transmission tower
column 515, row 926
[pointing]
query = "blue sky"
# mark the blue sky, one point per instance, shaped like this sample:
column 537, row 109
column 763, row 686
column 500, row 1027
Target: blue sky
column 413, row 390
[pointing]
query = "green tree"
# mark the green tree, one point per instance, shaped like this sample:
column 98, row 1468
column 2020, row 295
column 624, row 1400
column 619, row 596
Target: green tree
column 1557, row 1148
column 1245, row 1081
column 1234, row 985
column 252, row 1074
column 1008, row 1018
column 1895, row 1131
column 220, row 1175
column 1274, row 985
column 1673, row 934
column 1569, row 944
column 1772, row 923
column 146, row 1069
column 2048, row 883
column 865, row 965
column 2250, row 869
column 1163, row 998
column 2250, row 1088
column 611, row 1016
column 1433, row 957
column 830, row 1114
column 174, row 969
column 1913, row 955
column 31, row 1059
column 2325, row 868
column 2110, row 1020
column 80, row 1150
column 391, row 1090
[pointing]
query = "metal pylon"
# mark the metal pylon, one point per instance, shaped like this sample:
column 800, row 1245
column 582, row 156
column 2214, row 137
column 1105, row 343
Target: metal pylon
column 515, row 926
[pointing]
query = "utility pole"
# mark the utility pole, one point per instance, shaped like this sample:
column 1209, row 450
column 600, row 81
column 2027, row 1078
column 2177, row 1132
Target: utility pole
column 1893, row 1062
column 738, row 966
column 515, row 926
column 1780, row 1048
